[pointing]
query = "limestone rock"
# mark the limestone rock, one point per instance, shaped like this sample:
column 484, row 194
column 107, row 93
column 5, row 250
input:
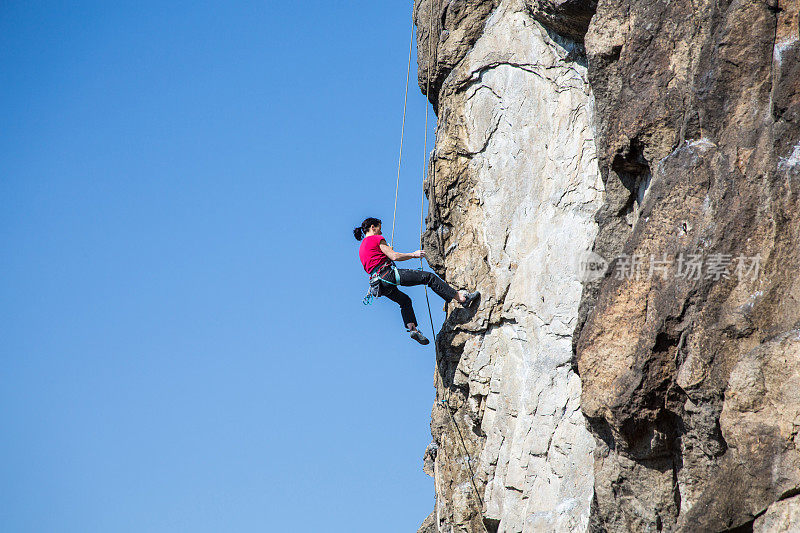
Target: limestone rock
column 780, row 517
column 514, row 187
column 671, row 142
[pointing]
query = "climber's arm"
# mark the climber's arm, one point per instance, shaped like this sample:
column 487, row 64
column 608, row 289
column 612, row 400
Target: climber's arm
column 399, row 256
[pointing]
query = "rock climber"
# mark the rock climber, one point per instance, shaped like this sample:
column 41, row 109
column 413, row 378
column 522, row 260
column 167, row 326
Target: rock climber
column 378, row 259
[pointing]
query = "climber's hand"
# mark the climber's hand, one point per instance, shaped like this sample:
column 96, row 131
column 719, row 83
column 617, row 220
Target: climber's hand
column 418, row 253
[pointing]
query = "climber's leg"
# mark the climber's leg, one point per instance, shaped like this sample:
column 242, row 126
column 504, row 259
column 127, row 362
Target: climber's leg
column 402, row 299
column 410, row 277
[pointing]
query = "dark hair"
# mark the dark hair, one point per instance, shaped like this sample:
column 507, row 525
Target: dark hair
column 360, row 231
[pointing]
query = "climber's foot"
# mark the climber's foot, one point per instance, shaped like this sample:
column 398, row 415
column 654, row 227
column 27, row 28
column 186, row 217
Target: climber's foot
column 419, row 337
column 470, row 298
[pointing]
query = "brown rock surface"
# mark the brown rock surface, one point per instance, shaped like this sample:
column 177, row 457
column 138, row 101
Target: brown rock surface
column 455, row 26
column 569, row 18
column 690, row 384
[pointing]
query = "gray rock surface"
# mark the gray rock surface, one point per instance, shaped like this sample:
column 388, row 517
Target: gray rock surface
column 781, row 517
column 516, row 186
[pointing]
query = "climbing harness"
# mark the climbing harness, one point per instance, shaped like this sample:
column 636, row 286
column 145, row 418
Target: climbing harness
column 376, row 274
column 376, row 278
column 375, row 281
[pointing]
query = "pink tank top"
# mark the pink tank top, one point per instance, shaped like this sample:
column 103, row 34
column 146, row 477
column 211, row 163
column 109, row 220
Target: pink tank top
column 370, row 252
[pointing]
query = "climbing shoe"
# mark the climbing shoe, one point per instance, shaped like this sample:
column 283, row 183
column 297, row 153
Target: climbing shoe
column 419, row 337
column 470, row 298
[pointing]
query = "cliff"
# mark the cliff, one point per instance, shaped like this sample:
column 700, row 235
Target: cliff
column 620, row 180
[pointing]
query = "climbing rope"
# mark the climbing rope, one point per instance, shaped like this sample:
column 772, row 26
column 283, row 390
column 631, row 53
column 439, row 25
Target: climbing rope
column 431, row 168
column 402, row 129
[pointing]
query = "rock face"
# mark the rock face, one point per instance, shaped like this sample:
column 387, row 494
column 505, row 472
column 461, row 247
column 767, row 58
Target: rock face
column 515, row 186
column 690, row 378
column 670, row 147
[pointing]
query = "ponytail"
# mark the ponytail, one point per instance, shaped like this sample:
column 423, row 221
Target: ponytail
column 360, row 231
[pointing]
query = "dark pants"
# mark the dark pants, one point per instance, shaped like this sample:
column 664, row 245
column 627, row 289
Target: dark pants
column 409, row 278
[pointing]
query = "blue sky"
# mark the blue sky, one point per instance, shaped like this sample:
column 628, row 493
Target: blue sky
column 184, row 344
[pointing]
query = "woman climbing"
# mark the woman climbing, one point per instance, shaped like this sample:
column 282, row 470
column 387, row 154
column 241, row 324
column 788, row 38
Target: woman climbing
column 378, row 259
